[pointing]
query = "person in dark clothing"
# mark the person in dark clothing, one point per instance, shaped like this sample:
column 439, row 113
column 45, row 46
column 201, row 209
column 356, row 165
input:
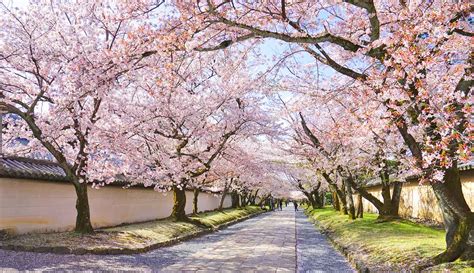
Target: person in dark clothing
column 295, row 204
column 280, row 204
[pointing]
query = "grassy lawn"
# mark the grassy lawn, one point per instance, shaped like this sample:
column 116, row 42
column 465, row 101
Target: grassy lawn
column 126, row 238
column 393, row 245
column 214, row 219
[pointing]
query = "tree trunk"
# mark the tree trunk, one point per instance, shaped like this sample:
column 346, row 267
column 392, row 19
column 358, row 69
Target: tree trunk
column 221, row 203
column 387, row 199
column 341, row 199
column 242, row 200
column 360, row 207
column 83, row 218
column 254, row 198
column 340, row 193
column 458, row 218
column 235, row 200
column 335, row 201
column 311, row 200
column 245, row 199
column 179, row 198
column 195, row 201
column 262, row 201
column 349, row 201
column 343, row 205
column 316, row 200
column 396, row 195
column 388, row 209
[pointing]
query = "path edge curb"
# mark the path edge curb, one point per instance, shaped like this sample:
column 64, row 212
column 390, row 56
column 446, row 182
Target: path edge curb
column 120, row 251
column 359, row 265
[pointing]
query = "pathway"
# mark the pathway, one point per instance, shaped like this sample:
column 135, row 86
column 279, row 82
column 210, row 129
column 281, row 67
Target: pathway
column 265, row 243
column 314, row 253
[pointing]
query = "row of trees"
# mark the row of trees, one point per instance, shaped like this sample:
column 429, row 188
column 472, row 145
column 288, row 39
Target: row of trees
column 168, row 93
column 400, row 70
column 109, row 91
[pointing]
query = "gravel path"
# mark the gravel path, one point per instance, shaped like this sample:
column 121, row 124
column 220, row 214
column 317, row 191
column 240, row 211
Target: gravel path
column 265, row 243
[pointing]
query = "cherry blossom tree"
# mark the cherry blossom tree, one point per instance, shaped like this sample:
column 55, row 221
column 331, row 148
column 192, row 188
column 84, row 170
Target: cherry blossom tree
column 60, row 63
column 414, row 56
column 177, row 124
column 353, row 145
column 305, row 178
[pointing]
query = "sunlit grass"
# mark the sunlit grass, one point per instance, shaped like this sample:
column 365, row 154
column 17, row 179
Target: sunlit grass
column 216, row 218
column 398, row 243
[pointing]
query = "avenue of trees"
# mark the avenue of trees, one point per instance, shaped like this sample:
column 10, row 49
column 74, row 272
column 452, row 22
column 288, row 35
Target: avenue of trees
column 191, row 94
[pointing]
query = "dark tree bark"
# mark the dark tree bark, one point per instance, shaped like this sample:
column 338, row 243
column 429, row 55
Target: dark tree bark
column 350, row 201
column 458, row 218
column 83, row 219
column 341, row 196
column 343, row 204
column 224, row 195
column 389, row 207
column 179, row 198
column 335, row 201
column 254, row 198
column 386, row 196
column 243, row 200
column 263, row 200
column 311, row 200
column 235, row 199
column 313, row 195
column 396, row 195
column 314, row 200
column 318, row 199
column 246, row 198
column 195, row 201
column 360, row 207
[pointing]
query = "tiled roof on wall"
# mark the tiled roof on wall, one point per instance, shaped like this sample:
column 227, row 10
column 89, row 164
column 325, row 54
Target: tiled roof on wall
column 21, row 167
column 377, row 181
column 466, row 166
column 35, row 169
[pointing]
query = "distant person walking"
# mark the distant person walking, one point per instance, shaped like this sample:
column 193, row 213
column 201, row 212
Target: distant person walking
column 295, row 204
column 280, row 204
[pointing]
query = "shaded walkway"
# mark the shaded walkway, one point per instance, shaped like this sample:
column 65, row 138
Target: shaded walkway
column 314, row 253
column 265, row 243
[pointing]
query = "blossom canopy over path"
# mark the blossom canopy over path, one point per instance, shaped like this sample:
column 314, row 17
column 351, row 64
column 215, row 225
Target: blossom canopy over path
column 190, row 94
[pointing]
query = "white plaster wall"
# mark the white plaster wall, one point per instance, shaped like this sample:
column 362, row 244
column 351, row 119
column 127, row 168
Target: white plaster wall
column 31, row 206
column 227, row 201
column 209, row 201
column 39, row 206
column 419, row 201
column 111, row 206
column 189, row 202
column 206, row 201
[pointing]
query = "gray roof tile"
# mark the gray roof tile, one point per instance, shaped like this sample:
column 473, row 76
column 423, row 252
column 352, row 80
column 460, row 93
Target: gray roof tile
column 28, row 168
column 21, row 167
